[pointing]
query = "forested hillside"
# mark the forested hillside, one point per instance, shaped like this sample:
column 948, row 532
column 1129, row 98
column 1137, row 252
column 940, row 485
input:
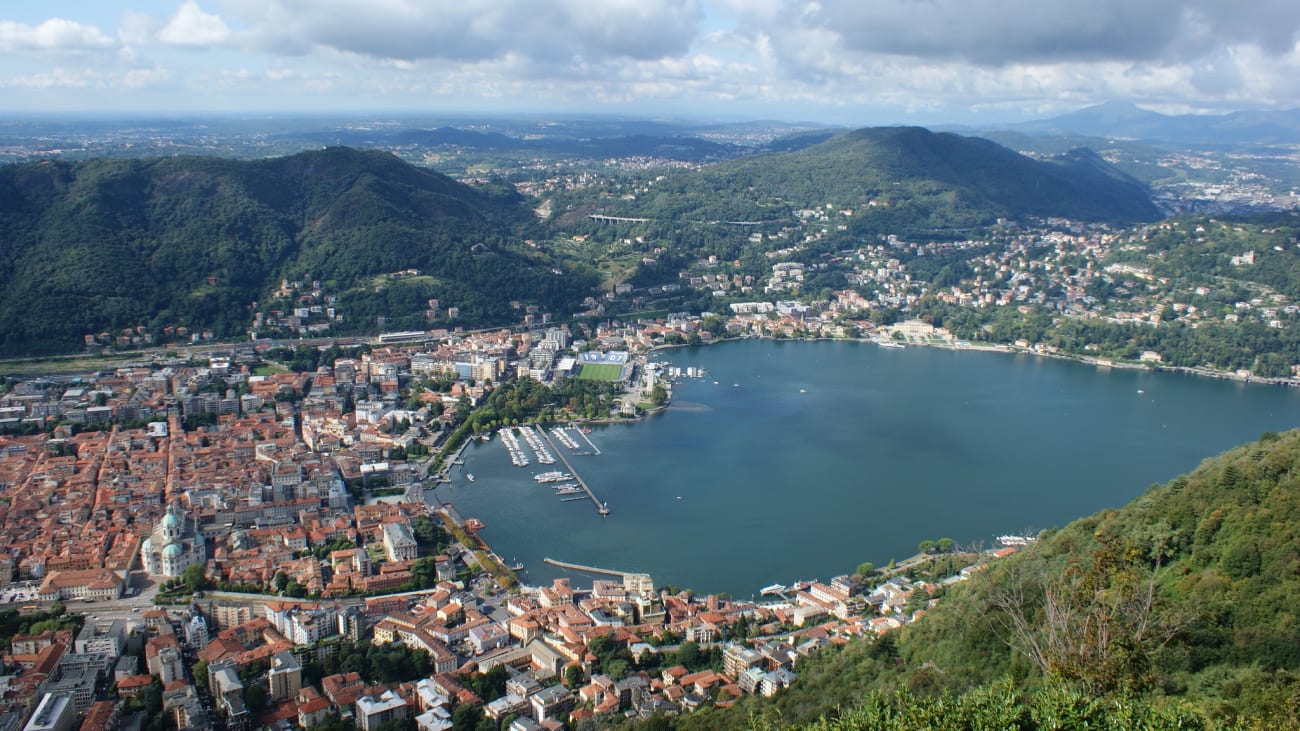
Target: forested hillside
column 1176, row 611
column 899, row 180
column 109, row 244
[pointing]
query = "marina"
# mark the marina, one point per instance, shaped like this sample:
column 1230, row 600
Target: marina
column 517, row 457
column 539, row 442
column 540, row 450
column 601, row 507
column 563, row 437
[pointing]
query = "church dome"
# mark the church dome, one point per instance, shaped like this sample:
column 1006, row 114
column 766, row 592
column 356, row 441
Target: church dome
column 171, row 521
column 147, row 546
column 172, row 550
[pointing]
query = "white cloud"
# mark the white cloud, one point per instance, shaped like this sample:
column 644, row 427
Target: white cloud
column 56, row 78
column 137, row 28
column 190, row 26
column 143, row 78
column 1034, row 56
column 55, row 34
column 473, row 30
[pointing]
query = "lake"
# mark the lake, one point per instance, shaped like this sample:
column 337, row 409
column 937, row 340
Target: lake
column 795, row 460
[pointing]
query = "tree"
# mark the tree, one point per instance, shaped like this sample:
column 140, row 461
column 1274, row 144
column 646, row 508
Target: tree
column 573, row 675
column 926, row 546
column 200, row 671
column 255, row 698
column 945, row 545
column 280, row 581
column 688, row 654
column 1099, row 624
column 195, row 577
column 866, row 568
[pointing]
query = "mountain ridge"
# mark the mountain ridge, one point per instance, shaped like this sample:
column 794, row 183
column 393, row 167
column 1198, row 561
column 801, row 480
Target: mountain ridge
column 897, row 179
column 194, row 241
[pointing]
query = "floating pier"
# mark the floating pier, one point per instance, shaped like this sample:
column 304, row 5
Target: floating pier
column 602, row 508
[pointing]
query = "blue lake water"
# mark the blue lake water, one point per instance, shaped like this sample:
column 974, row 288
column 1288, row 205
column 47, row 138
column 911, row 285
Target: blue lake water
column 808, row 458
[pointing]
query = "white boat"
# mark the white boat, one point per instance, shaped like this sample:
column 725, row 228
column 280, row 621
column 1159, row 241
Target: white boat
column 469, row 476
column 891, row 344
column 552, row 476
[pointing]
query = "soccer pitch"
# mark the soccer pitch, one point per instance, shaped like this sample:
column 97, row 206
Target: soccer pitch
column 600, row 372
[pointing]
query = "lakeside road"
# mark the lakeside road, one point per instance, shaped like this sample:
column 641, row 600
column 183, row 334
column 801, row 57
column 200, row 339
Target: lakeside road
column 962, row 346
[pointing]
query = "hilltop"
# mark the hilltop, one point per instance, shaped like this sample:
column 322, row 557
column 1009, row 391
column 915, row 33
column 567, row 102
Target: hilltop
column 897, row 179
column 108, row 244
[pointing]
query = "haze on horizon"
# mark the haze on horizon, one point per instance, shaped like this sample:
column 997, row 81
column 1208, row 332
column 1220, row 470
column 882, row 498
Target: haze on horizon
column 840, row 61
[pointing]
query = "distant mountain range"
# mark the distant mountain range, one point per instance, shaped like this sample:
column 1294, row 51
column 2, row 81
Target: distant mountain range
column 1127, row 120
column 659, row 144
column 108, row 244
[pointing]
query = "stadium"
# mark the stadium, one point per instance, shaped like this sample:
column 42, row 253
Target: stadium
column 613, row 366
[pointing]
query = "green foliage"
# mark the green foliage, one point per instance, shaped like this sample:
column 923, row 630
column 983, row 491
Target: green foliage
column 903, row 180
column 390, row 663
column 13, row 623
column 104, row 245
column 255, row 698
column 490, row 685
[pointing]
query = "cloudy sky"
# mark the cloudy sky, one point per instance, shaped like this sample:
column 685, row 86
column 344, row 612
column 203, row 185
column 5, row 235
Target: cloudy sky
column 869, row 61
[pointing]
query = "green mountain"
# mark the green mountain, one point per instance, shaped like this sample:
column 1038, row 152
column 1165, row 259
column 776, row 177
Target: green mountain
column 194, row 241
column 1178, row 610
column 900, row 179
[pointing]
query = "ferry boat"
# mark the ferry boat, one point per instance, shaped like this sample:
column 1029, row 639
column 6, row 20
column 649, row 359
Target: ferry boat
column 555, row 476
column 773, row 590
column 1016, row 540
column 891, row 344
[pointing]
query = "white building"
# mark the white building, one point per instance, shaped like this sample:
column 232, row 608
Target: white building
column 173, row 546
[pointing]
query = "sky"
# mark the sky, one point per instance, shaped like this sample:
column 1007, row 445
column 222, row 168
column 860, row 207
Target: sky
column 834, row 61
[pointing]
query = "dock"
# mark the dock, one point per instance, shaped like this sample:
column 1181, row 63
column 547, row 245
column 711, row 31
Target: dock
column 636, row 583
column 595, row 451
column 602, row 508
column 583, row 569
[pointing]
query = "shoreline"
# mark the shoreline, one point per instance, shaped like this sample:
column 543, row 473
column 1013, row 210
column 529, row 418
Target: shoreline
column 1095, row 361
